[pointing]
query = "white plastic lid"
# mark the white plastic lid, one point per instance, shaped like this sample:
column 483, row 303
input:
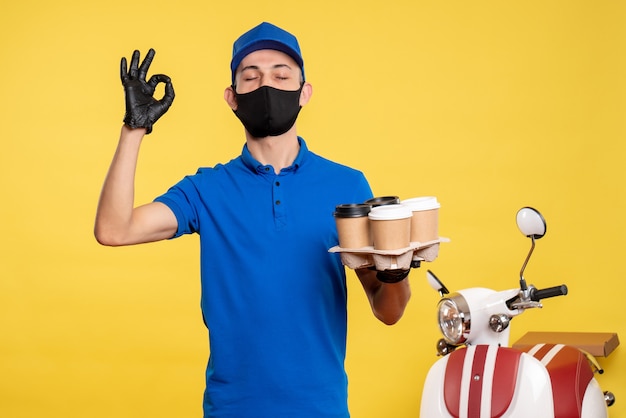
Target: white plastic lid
column 390, row 212
column 422, row 203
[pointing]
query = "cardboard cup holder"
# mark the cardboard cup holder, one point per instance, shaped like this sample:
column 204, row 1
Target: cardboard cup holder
column 401, row 258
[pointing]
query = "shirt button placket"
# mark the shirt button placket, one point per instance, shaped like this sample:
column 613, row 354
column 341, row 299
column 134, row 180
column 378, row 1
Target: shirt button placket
column 279, row 213
column 277, row 193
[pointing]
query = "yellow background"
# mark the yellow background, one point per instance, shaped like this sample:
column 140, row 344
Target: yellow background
column 489, row 105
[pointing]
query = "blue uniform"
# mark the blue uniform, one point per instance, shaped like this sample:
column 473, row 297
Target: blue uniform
column 273, row 298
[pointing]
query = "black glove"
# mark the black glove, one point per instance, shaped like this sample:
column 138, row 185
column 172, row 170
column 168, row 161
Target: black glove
column 142, row 109
column 392, row 276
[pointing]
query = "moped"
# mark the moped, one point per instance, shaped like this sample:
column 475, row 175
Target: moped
column 481, row 376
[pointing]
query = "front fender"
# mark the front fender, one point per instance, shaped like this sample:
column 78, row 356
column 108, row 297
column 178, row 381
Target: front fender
column 487, row 381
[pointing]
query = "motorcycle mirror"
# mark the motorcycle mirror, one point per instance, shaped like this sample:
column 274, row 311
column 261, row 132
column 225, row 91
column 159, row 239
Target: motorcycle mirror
column 531, row 223
column 436, row 284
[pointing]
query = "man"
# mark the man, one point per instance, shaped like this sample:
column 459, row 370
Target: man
column 273, row 298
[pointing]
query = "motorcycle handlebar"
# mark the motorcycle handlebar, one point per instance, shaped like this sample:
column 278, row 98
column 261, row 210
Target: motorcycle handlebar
column 536, row 294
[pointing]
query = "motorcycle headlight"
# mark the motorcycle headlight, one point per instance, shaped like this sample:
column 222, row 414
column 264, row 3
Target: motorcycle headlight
column 454, row 318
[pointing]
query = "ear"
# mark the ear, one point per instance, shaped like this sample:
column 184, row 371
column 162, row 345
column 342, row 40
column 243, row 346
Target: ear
column 306, row 93
column 229, row 96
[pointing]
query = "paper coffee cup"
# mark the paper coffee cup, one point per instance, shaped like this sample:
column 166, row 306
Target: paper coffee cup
column 382, row 201
column 391, row 226
column 353, row 227
column 425, row 219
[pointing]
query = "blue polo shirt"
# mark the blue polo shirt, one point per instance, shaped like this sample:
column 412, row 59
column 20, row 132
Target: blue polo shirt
column 273, row 298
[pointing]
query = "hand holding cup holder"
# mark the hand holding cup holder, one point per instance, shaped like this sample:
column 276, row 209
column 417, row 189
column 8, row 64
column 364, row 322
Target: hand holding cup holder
column 397, row 234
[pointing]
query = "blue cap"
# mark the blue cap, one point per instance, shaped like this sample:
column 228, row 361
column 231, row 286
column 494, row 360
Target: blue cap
column 265, row 36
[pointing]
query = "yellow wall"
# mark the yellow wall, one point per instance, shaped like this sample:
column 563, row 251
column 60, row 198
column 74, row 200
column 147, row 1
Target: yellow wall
column 489, row 105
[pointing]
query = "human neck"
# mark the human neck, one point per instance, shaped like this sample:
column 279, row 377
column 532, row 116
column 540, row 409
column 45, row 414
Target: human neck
column 278, row 151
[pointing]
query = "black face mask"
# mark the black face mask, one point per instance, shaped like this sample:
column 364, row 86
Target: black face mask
column 267, row 111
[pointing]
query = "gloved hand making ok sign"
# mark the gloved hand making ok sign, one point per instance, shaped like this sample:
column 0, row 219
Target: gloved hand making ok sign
column 142, row 109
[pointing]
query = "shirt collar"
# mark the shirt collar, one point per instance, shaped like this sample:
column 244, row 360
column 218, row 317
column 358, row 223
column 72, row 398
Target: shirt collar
column 257, row 167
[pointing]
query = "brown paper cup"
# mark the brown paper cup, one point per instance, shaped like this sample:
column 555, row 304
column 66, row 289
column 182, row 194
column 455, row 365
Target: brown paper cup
column 391, row 227
column 353, row 226
column 353, row 232
column 382, row 200
column 425, row 219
